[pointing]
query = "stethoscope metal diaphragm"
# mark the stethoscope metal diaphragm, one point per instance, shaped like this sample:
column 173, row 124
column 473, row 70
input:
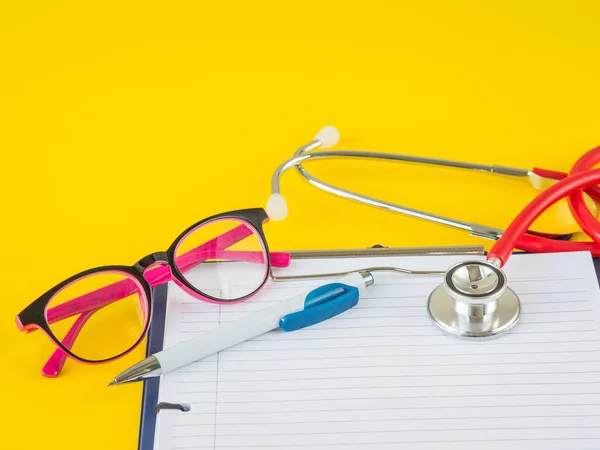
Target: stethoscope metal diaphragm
column 474, row 301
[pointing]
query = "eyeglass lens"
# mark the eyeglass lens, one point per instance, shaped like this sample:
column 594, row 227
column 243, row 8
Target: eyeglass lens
column 100, row 316
column 225, row 259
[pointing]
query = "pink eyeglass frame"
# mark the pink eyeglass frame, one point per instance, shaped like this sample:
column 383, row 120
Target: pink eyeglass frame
column 149, row 272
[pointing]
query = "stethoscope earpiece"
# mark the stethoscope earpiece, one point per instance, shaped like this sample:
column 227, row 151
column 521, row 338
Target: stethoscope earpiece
column 277, row 207
column 328, row 136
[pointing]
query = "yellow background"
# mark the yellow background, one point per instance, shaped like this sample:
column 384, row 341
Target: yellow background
column 121, row 123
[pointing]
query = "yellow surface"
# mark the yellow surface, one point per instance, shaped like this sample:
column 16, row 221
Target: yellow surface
column 121, row 123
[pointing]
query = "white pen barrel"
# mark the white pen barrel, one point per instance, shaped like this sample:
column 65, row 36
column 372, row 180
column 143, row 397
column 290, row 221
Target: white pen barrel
column 236, row 332
column 227, row 335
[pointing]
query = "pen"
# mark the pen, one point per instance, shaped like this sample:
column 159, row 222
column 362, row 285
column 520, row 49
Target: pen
column 295, row 313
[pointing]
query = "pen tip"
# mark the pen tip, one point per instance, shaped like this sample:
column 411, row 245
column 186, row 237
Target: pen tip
column 112, row 383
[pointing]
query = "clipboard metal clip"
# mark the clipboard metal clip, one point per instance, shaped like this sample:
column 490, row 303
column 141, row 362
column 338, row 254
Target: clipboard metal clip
column 375, row 251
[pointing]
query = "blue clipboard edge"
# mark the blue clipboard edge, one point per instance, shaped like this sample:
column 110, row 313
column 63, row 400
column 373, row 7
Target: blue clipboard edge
column 154, row 344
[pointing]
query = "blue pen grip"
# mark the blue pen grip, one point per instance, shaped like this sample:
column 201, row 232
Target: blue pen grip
column 321, row 304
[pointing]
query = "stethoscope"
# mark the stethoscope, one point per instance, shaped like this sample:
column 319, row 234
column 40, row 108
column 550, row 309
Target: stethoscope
column 474, row 299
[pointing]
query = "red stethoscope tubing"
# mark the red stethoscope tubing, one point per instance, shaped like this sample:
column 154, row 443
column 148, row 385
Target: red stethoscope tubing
column 582, row 178
column 593, row 192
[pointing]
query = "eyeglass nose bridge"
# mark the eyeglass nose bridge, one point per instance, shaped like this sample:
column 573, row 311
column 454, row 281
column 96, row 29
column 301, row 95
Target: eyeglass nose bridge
column 154, row 268
column 151, row 260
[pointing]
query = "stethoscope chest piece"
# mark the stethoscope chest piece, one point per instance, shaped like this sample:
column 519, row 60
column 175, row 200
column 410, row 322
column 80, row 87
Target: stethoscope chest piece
column 474, row 301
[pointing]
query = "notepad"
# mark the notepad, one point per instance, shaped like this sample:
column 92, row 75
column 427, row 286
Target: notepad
column 382, row 376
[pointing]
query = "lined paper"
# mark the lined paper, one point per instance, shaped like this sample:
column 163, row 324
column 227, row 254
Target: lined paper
column 381, row 376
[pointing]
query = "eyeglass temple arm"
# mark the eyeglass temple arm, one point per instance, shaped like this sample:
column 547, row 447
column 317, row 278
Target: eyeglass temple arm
column 55, row 363
column 57, row 360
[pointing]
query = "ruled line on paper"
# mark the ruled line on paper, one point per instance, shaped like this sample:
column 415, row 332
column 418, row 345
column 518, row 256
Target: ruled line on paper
column 399, row 298
column 476, row 369
column 524, row 313
column 595, row 381
column 408, row 355
column 277, row 378
column 313, row 432
column 401, row 408
column 420, row 306
column 388, row 366
column 479, row 345
column 388, row 397
column 374, row 341
column 406, row 442
column 400, row 315
column 360, row 323
column 363, row 420
column 334, row 388
column 429, row 334
column 350, row 377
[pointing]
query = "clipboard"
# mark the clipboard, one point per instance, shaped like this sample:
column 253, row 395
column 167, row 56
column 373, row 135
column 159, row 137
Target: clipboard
column 155, row 339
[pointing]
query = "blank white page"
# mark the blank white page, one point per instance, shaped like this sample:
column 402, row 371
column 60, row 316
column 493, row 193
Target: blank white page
column 382, row 376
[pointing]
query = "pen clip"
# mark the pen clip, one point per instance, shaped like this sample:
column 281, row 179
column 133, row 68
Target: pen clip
column 321, row 304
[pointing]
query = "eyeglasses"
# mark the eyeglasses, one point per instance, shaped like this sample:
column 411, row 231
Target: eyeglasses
column 102, row 314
